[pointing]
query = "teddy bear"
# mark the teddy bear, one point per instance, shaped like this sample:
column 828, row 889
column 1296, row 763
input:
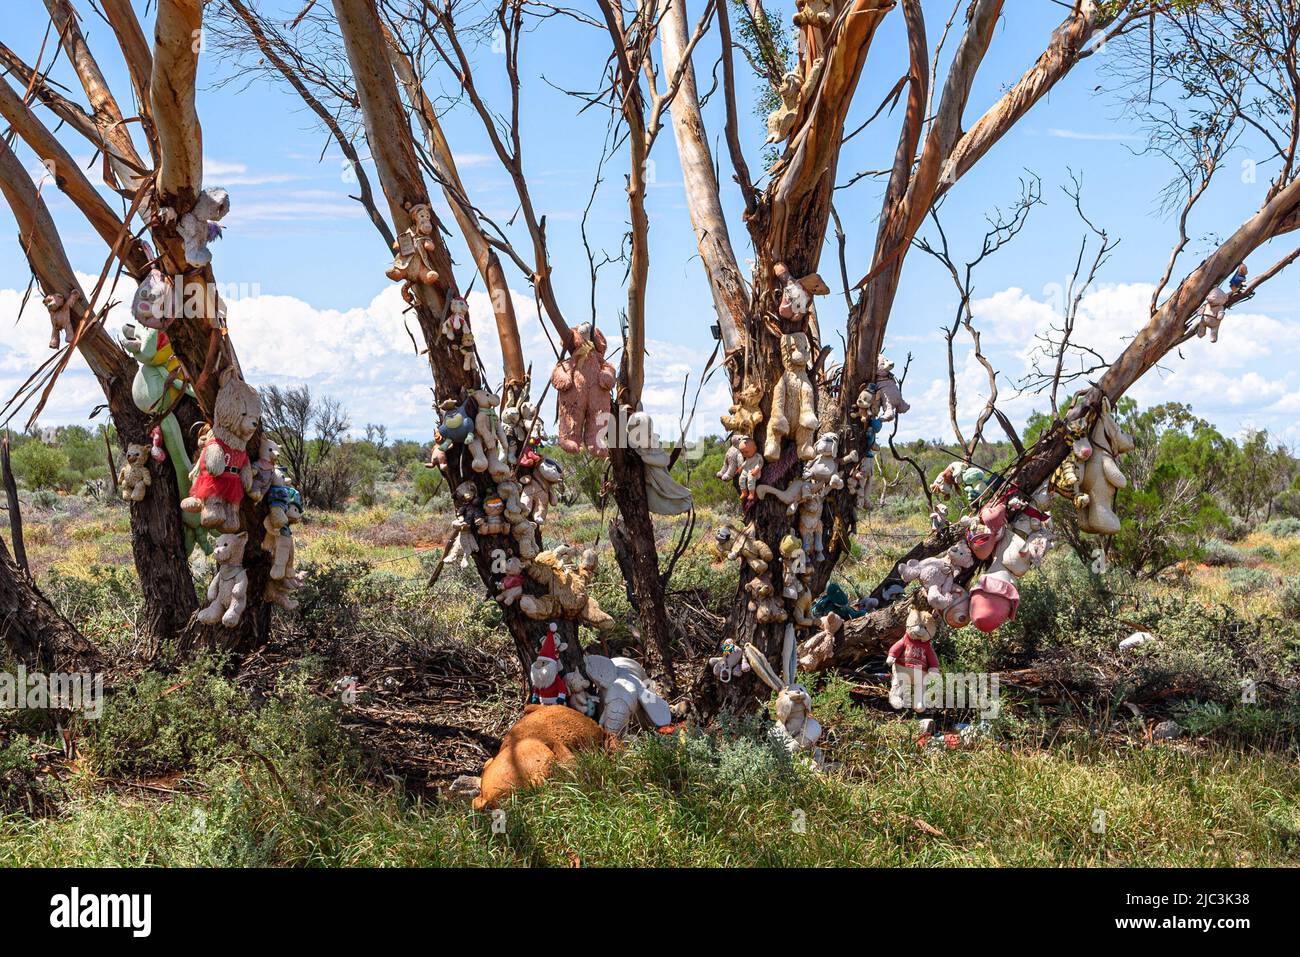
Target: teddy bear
column 199, row 226
column 793, row 412
column 59, row 306
column 413, row 263
column 1211, row 314
column 489, row 451
column 224, row 471
column 546, row 735
column 492, row 521
column 797, row 294
column 744, row 415
column 566, row 586
column 763, row 601
column 152, row 305
column 285, row 511
column 134, row 479
column 913, row 661
column 814, row 14
column 751, row 549
column 889, row 396
column 792, row 91
column 538, row 489
column 511, row 586
column 1102, row 477
column 522, row 528
column 816, row 652
column 228, row 591
column 625, row 693
column 938, row 575
column 266, row 471
column 582, row 381
column 457, row 329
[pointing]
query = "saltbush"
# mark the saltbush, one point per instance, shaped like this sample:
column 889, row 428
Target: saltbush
column 1219, row 553
column 1243, row 581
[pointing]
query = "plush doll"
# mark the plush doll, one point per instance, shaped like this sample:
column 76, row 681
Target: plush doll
column 889, row 397
column 225, row 473
column 492, row 521
column 266, row 470
column 823, row 468
column 804, row 497
column 414, row 248
column 729, row 662
column 582, row 382
column 745, row 415
column 748, row 547
column 938, row 575
column 157, row 448
column 581, row 697
column 664, row 494
column 158, row 384
column 793, row 91
column 548, row 682
column 816, row 652
column 228, row 592
column 994, row 598
column 199, row 226
column 522, row 528
column 913, row 660
column 285, row 511
column 795, row 570
column 946, row 483
column 975, row 481
column 457, row 329
column 984, row 531
column 859, row 480
column 59, row 306
column 763, row 602
column 1067, row 480
column 796, row 729
column 462, row 542
column 797, row 294
column 814, row 14
column 539, row 488
column 745, row 464
column 134, row 479
column 1102, row 477
column 153, row 304
column 489, row 451
column 625, row 693
column 546, row 735
column 567, row 595
column 793, row 413
column 1212, row 312
column 520, row 421
column 511, row 586
column 835, row 599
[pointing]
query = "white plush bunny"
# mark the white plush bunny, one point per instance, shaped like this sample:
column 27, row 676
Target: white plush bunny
column 624, row 691
column 795, row 727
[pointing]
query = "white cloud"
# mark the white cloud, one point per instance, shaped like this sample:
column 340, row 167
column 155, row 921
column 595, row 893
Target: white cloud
column 1064, row 134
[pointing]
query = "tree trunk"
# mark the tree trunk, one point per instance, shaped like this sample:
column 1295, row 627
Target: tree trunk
column 33, row 630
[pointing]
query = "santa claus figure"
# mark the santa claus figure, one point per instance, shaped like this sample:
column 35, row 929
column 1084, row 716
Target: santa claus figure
column 548, row 682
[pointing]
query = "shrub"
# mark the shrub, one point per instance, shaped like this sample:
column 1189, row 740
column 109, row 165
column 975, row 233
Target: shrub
column 1264, row 553
column 1220, row 554
column 37, row 465
column 1282, row 527
column 1243, row 581
column 21, row 789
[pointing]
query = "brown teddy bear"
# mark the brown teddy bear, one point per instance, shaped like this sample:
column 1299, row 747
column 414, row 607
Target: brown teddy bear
column 582, row 382
column 60, row 308
column 793, row 413
column 412, row 264
column 224, row 472
column 546, row 734
column 285, row 512
column 566, row 586
column 134, row 478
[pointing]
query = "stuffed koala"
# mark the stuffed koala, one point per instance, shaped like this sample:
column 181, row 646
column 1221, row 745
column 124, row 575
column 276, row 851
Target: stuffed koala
column 228, row 592
column 134, row 479
column 199, row 226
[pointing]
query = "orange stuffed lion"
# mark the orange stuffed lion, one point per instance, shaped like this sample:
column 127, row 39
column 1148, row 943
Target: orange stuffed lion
column 547, row 733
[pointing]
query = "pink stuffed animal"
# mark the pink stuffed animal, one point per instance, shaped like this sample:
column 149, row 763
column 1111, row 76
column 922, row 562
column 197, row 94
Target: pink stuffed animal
column 582, row 382
column 938, row 575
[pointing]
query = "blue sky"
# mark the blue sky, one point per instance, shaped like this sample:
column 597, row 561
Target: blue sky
column 309, row 302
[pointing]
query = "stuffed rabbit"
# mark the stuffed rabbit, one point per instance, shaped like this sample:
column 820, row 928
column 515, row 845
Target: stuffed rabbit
column 795, row 727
